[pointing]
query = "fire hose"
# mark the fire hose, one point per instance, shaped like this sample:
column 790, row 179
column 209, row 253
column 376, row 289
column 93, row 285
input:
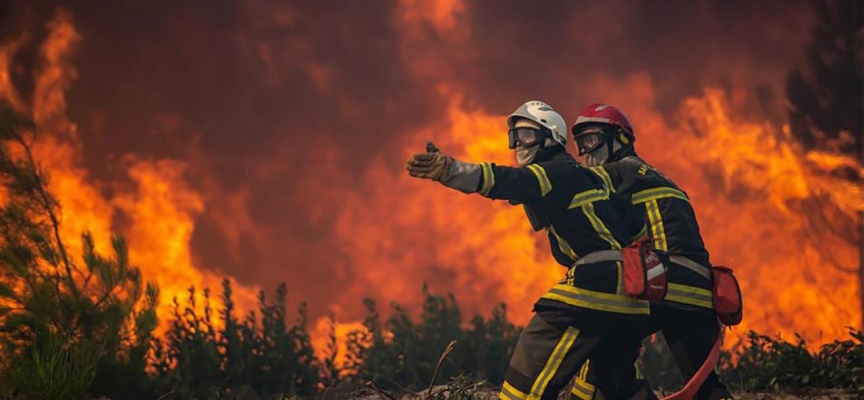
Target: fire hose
column 688, row 392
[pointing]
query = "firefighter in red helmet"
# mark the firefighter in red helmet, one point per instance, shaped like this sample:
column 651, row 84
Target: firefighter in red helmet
column 585, row 315
column 605, row 137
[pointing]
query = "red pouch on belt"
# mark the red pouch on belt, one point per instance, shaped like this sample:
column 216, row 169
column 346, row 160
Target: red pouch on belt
column 644, row 272
column 727, row 296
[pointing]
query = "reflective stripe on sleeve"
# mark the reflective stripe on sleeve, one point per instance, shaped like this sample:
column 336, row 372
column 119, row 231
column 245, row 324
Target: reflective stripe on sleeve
column 658, row 193
column 488, row 178
column 588, row 197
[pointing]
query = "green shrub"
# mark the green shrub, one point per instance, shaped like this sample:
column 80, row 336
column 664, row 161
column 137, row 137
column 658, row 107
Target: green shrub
column 265, row 357
column 53, row 368
column 768, row 364
column 402, row 354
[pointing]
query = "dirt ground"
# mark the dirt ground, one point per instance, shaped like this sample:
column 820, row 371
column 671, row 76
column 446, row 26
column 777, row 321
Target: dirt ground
column 490, row 394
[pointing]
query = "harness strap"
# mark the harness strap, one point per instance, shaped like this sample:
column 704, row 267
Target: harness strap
column 685, row 262
column 600, row 256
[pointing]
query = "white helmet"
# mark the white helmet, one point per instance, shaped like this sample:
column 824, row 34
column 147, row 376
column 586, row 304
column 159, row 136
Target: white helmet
column 544, row 115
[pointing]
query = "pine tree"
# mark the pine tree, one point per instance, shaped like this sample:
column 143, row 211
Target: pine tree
column 53, row 306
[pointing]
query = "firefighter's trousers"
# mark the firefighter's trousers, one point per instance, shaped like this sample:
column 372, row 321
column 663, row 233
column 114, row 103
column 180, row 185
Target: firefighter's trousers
column 690, row 336
column 555, row 344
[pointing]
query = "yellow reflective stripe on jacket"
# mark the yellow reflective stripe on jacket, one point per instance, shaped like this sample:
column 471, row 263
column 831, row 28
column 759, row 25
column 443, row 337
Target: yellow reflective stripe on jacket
column 658, row 193
column 508, row 392
column 488, row 178
column 554, row 362
column 691, row 295
column 604, row 175
column 599, row 226
column 600, row 301
column 563, row 245
column 545, row 185
column 655, row 219
column 588, row 197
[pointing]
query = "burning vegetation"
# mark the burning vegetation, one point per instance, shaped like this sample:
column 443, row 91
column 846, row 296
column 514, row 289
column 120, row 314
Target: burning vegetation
column 280, row 161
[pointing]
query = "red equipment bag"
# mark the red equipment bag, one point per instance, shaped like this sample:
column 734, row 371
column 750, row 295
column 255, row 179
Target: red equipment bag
column 644, row 272
column 727, row 296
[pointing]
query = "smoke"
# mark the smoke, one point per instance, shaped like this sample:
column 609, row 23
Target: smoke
column 291, row 121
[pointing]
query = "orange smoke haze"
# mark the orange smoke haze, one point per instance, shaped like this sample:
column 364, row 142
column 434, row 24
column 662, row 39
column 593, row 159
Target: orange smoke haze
column 266, row 141
column 160, row 205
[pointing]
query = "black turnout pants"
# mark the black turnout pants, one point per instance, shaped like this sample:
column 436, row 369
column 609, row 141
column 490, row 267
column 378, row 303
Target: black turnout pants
column 690, row 336
column 557, row 342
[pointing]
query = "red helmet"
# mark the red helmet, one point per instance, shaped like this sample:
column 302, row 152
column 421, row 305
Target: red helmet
column 599, row 113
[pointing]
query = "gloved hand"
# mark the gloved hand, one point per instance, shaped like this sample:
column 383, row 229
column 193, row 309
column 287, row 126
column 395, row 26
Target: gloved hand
column 432, row 165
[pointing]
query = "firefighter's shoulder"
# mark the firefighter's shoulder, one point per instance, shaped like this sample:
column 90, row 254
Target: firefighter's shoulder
column 627, row 166
column 559, row 169
column 634, row 166
column 563, row 173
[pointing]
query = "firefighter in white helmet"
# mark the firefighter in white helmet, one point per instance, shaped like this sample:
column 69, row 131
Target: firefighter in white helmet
column 585, row 314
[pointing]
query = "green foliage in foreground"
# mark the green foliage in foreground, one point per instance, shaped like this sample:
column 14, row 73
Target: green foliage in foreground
column 764, row 364
column 81, row 328
column 771, row 364
column 264, row 355
column 407, row 355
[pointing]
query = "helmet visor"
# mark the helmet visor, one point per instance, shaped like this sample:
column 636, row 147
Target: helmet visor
column 590, row 139
column 524, row 137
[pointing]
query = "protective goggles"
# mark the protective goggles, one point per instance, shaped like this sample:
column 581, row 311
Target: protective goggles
column 525, row 137
column 589, row 139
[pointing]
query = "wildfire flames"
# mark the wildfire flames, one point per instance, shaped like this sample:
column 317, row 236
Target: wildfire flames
column 160, row 204
column 749, row 182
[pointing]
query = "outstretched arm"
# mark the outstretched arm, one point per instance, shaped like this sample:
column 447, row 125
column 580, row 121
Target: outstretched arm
column 525, row 185
column 434, row 165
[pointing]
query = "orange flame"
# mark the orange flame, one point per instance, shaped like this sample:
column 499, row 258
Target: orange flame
column 748, row 181
column 161, row 206
column 485, row 252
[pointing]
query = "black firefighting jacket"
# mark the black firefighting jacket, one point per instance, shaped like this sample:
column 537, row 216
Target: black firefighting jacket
column 672, row 226
column 580, row 218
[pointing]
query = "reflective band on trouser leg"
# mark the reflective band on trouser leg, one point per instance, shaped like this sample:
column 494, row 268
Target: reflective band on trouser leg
column 554, row 362
column 547, row 357
column 537, row 361
column 690, row 295
column 581, row 389
column 508, row 392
